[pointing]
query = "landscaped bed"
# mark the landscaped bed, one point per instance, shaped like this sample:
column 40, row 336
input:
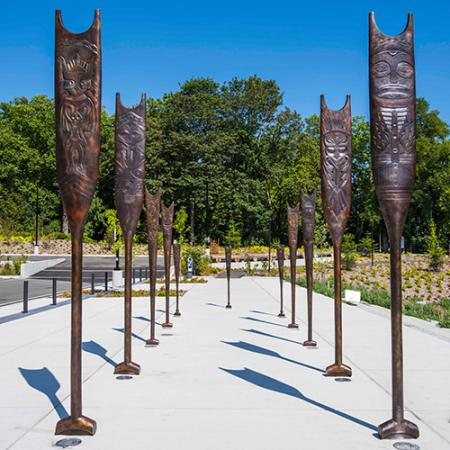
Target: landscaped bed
column 425, row 292
column 142, row 293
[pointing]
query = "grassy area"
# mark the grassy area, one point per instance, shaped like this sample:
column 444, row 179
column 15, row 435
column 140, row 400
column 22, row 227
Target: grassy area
column 182, row 280
column 412, row 306
column 142, row 293
column 12, row 265
column 418, row 280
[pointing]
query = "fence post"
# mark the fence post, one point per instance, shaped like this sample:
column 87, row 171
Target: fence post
column 106, row 281
column 140, row 274
column 25, row 296
column 92, row 283
column 134, row 275
column 54, row 291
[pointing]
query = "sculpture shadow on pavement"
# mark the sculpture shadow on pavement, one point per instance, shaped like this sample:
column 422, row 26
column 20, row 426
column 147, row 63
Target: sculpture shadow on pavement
column 136, row 336
column 263, row 312
column 262, row 333
column 264, row 321
column 214, row 304
column 44, row 381
column 96, row 349
column 264, row 351
column 145, row 319
column 266, row 382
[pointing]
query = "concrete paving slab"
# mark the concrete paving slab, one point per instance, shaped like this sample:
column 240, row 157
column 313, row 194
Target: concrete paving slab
column 220, row 379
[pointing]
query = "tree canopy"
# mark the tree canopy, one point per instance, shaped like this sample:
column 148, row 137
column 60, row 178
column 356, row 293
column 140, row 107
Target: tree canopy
column 230, row 155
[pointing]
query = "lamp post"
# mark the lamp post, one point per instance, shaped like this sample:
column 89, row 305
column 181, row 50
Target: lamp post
column 228, row 269
column 36, row 224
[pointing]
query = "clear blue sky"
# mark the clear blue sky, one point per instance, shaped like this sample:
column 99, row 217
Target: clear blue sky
column 309, row 47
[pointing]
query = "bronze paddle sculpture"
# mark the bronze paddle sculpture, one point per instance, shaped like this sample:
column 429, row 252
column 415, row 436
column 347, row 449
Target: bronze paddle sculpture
column 152, row 205
column 293, row 237
column 393, row 132
column 177, row 266
column 280, row 259
column 129, row 197
column 228, row 269
column 336, row 167
column 308, row 212
column 77, row 109
column 167, row 226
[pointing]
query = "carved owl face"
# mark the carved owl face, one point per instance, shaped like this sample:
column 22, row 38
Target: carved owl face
column 77, row 69
column 131, row 128
column 336, row 143
column 393, row 74
column 308, row 214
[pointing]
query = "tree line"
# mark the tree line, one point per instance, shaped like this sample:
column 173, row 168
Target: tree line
column 231, row 156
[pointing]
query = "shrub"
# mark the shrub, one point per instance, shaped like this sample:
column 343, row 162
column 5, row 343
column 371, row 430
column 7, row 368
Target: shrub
column 233, row 235
column 367, row 245
column 199, row 258
column 348, row 252
column 435, row 252
column 12, row 266
column 180, row 225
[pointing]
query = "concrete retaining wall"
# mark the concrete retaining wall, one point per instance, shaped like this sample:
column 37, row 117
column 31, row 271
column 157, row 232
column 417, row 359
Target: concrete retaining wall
column 30, row 268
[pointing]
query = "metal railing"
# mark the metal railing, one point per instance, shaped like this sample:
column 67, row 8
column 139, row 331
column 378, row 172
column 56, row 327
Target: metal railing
column 143, row 275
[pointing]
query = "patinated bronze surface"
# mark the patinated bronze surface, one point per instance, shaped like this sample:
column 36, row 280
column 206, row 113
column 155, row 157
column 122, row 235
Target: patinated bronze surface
column 167, row 226
column 129, row 197
column 393, row 132
column 152, row 206
column 177, row 264
column 308, row 216
column 77, row 110
column 293, row 240
column 336, row 167
column 228, row 268
column 280, row 259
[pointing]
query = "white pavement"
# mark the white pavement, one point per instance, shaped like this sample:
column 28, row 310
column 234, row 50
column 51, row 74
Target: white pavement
column 220, row 379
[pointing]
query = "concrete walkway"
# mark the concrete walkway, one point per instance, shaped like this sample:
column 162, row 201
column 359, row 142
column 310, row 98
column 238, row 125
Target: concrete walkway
column 220, row 379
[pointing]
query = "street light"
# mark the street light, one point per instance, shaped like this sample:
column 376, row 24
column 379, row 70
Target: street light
column 36, row 224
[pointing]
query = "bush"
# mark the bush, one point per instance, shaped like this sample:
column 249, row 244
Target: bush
column 233, row 236
column 367, row 245
column 180, row 225
column 12, row 266
column 58, row 235
column 199, row 257
column 435, row 252
column 349, row 254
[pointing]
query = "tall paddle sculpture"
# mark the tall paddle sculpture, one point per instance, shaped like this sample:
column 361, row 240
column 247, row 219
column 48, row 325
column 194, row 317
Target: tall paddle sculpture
column 228, row 268
column 336, row 166
column 77, row 109
column 129, row 196
column 280, row 259
column 393, row 132
column 308, row 215
column 152, row 205
column 167, row 226
column 293, row 237
column 177, row 266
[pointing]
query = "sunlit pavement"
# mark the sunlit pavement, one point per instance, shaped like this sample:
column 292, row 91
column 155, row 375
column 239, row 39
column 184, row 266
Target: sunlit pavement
column 220, row 379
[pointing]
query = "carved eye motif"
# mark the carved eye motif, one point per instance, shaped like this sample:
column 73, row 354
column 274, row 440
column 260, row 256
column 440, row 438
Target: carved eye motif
column 336, row 140
column 405, row 70
column 85, row 84
column 381, row 69
column 69, row 84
